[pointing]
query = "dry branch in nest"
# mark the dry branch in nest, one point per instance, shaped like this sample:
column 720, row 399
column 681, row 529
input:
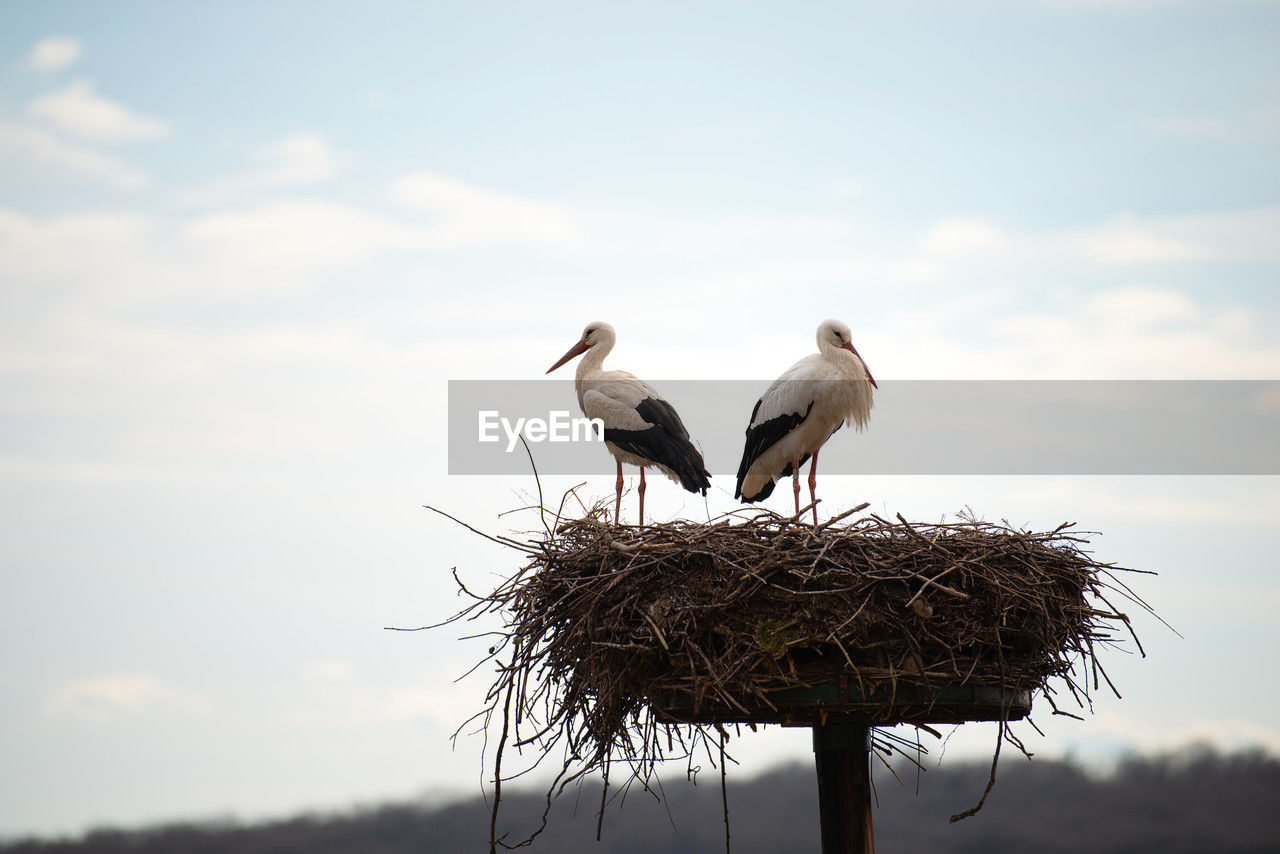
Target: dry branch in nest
column 607, row 628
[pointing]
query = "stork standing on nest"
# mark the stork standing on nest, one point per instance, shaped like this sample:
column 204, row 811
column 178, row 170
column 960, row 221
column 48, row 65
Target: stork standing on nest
column 802, row 410
column 640, row 428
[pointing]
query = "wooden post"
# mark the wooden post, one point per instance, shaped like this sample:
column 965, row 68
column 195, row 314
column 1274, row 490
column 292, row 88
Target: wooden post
column 842, row 755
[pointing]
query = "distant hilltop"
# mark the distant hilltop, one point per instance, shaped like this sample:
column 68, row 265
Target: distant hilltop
column 1170, row 803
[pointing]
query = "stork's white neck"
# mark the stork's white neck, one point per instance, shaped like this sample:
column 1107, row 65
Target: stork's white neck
column 593, row 360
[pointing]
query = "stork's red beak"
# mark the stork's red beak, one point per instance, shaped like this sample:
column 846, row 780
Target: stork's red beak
column 848, row 345
column 576, row 350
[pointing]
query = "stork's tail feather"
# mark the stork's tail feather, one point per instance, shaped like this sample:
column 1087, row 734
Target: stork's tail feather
column 757, row 487
column 763, row 493
column 692, row 471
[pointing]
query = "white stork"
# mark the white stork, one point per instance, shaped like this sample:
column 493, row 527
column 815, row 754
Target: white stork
column 640, row 428
column 800, row 412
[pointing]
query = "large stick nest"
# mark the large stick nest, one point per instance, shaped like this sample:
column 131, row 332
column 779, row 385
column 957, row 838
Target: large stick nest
column 606, row 624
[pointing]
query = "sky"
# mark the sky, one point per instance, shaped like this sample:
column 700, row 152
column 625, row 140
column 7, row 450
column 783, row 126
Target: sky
column 245, row 246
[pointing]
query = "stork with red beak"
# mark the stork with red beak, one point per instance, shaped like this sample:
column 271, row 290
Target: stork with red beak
column 640, row 428
column 800, row 412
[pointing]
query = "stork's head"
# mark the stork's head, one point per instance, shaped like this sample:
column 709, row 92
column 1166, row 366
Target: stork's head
column 597, row 334
column 834, row 335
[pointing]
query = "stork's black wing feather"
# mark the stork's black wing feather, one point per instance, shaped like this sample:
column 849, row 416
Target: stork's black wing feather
column 665, row 441
column 760, row 438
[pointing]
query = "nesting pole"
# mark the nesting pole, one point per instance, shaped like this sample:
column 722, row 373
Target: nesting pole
column 842, row 755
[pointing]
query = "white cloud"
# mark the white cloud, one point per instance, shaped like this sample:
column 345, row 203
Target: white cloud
column 1121, row 333
column 300, row 160
column 1124, row 240
column 109, row 696
column 467, row 215
column 78, row 111
column 77, row 249
column 347, row 703
column 1140, row 307
column 276, row 246
column 963, row 236
column 1168, row 735
column 210, row 395
column 1246, row 236
column 54, row 53
column 284, row 238
column 42, row 147
column 1127, row 239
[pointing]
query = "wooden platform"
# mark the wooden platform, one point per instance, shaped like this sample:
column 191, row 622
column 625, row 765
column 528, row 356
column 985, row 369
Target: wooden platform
column 842, row 702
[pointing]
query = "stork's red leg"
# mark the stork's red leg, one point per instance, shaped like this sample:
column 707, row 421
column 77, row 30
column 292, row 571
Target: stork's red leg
column 813, row 487
column 617, row 505
column 795, row 483
column 641, row 490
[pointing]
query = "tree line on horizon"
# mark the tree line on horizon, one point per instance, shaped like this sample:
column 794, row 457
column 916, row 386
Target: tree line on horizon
column 1189, row 802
